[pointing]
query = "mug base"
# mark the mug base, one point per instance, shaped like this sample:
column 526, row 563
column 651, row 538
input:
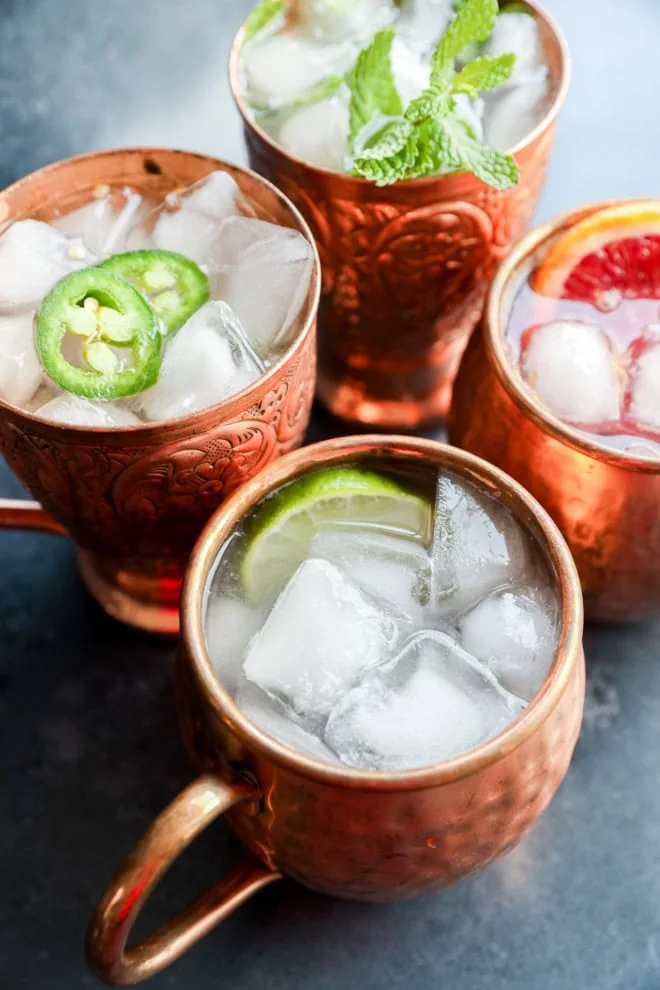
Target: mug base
column 351, row 403
column 138, row 599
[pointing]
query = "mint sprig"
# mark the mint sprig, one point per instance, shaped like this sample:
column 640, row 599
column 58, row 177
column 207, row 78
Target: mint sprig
column 431, row 137
column 260, row 16
column 372, row 85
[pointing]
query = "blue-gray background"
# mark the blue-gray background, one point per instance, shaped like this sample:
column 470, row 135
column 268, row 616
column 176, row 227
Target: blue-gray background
column 87, row 732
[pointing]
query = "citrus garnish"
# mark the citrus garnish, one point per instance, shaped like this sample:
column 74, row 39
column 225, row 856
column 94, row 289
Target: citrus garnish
column 611, row 255
column 282, row 529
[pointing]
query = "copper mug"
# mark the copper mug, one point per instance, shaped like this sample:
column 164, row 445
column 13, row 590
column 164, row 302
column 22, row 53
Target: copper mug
column 606, row 504
column 355, row 834
column 405, row 267
column 134, row 500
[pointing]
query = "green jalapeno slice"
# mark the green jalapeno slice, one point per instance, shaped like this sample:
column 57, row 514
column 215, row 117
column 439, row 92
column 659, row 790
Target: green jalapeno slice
column 118, row 331
column 174, row 285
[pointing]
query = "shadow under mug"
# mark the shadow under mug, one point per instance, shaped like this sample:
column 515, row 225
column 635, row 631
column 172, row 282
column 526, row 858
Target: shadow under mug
column 350, row 833
column 405, row 267
column 134, row 500
column 606, row 503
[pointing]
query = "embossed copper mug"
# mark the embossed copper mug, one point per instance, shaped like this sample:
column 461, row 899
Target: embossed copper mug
column 406, row 267
column 606, row 504
column 350, row 833
column 134, row 500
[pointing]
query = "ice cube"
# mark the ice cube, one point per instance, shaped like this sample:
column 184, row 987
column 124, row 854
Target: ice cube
column 102, row 226
column 411, row 74
column 189, row 221
column 571, row 367
column 33, row 256
column 512, row 112
column 263, row 272
column 335, row 20
column 230, row 625
column 478, row 547
column 318, row 133
column 515, row 633
column 20, row 370
column 217, row 195
column 285, row 66
column 431, row 703
column 71, row 410
column 320, row 636
column 422, row 22
column 269, row 715
column 642, row 400
column 205, row 362
column 394, row 570
column 518, row 33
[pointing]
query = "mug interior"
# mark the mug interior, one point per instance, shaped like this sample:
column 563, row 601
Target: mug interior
column 66, row 185
column 511, row 276
column 398, row 453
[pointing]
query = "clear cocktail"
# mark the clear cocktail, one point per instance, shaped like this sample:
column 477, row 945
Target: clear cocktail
column 382, row 620
column 129, row 311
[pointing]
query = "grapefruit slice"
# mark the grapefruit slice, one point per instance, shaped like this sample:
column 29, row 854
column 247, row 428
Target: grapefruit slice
column 611, row 255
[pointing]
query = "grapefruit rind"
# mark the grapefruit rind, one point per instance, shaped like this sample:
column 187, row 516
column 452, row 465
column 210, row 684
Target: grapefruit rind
column 612, row 223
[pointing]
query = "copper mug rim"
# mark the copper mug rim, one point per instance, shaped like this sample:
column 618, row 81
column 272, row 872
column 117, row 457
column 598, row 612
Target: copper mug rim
column 224, row 521
column 351, row 183
column 228, row 407
column 508, row 279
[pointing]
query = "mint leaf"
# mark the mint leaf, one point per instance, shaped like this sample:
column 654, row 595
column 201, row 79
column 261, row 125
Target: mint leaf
column 260, row 16
column 396, row 166
column 484, row 73
column 464, row 152
column 474, row 22
column 432, row 102
column 388, row 141
column 434, row 147
column 324, row 89
column 425, row 150
column 372, row 85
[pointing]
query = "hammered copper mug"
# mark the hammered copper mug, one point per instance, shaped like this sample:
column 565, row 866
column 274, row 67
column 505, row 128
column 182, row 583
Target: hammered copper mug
column 405, row 267
column 606, row 503
column 351, row 833
column 134, row 500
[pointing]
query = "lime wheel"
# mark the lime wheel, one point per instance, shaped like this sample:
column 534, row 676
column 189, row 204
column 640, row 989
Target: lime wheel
column 282, row 529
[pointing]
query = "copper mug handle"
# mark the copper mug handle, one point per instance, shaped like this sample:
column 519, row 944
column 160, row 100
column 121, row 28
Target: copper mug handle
column 197, row 806
column 16, row 513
